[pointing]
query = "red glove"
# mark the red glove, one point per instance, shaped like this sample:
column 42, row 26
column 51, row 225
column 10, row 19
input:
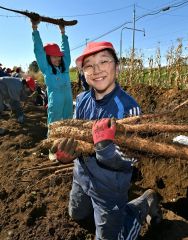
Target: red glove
column 104, row 129
column 65, row 150
column 63, row 156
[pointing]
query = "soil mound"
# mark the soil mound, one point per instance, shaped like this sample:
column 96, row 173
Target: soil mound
column 33, row 203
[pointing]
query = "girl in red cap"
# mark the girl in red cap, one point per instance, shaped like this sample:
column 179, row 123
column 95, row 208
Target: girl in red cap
column 101, row 181
column 54, row 65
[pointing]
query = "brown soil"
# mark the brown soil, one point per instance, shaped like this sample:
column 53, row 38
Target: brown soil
column 33, row 204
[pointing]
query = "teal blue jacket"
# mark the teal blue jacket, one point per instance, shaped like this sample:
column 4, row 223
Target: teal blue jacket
column 60, row 102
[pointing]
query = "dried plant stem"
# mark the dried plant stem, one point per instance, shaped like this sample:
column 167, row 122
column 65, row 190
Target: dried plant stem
column 85, row 134
column 85, row 139
column 128, row 120
column 64, row 170
column 50, row 168
column 82, row 146
column 161, row 149
column 36, row 16
column 146, row 146
column 69, row 122
column 40, row 166
column 136, row 119
column 181, row 105
column 154, row 127
column 67, row 131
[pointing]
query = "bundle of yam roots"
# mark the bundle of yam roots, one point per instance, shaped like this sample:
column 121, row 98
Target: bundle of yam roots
column 145, row 134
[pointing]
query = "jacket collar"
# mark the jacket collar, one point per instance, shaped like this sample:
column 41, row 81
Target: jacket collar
column 107, row 97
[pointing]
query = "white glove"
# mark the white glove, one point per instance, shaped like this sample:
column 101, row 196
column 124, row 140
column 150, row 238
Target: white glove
column 181, row 139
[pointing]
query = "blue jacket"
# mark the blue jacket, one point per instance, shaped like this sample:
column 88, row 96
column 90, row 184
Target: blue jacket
column 13, row 92
column 109, row 170
column 3, row 74
column 12, row 89
column 60, row 102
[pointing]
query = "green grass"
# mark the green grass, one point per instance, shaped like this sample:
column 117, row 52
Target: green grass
column 40, row 78
column 73, row 75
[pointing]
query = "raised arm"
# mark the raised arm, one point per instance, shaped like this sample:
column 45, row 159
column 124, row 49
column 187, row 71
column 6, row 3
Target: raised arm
column 65, row 48
column 38, row 47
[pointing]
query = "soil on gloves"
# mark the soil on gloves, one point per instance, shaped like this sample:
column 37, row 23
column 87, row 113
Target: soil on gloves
column 34, row 203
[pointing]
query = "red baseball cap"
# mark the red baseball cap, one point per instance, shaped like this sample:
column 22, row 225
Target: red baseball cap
column 52, row 49
column 91, row 48
column 31, row 83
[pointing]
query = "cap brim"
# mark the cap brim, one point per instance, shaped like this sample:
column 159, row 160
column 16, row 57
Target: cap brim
column 79, row 60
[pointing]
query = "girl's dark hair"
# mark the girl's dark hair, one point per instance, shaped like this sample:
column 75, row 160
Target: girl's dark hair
column 24, row 81
column 113, row 55
column 61, row 66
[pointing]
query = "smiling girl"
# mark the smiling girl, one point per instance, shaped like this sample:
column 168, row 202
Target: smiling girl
column 101, row 181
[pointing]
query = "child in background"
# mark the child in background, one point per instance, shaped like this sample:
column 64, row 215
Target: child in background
column 54, row 65
column 13, row 91
column 17, row 73
column 82, row 81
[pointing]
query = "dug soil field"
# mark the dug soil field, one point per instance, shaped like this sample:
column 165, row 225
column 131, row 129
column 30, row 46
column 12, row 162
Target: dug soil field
column 33, row 202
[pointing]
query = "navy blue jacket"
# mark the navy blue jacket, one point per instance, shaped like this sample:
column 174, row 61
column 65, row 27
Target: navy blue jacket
column 116, row 104
column 109, row 170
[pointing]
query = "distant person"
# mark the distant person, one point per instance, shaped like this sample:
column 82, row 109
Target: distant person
column 54, row 65
column 8, row 71
column 3, row 72
column 40, row 97
column 13, row 91
column 17, row 73
column 83, row 82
